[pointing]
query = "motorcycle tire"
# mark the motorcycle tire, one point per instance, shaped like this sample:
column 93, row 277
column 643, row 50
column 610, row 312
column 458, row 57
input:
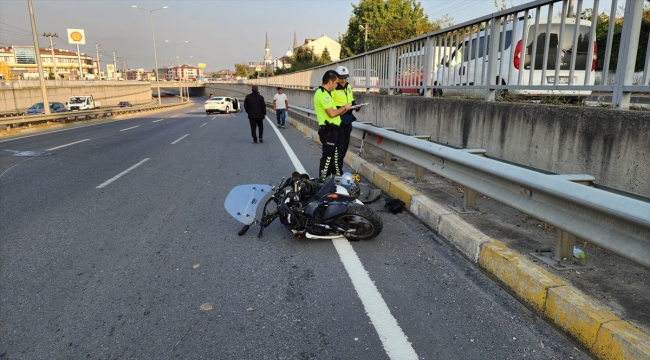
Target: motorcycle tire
column 362, row 219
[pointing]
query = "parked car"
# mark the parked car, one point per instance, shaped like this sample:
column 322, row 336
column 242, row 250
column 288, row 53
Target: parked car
column 222, row 104
column 123, row 104
column 465, row 66
column 38, row 108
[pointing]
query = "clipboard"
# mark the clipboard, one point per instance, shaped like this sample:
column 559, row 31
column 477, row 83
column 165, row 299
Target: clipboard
column 358, row 106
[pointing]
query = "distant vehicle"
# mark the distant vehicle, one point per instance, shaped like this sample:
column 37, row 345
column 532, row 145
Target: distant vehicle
column 411, row 68
column 359, row 78
column 124, row 104
column 38, row 108
column 222, row 104
column 465, row 66
column 82, row 102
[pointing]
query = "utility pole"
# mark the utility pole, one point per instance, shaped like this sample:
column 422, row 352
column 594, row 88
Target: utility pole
column 114, row 64
column 50, row 35
column 37, row 52
column 570, row 11
column 99, row 68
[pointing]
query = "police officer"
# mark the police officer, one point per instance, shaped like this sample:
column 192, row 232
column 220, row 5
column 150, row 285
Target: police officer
column 329, row 122
column 343, row 95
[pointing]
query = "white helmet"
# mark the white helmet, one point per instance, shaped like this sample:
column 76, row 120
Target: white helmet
column 342, row 71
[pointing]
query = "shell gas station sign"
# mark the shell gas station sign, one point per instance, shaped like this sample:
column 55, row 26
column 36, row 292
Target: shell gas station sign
column 201, row 66
column 76, row 36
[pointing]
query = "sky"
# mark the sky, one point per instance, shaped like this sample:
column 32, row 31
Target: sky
column 220, row 33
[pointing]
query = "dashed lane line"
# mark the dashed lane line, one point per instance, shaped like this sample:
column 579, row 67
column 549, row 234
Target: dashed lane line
column 181, row 138
column 104, row 184
column 132, row 127
column 62, row 146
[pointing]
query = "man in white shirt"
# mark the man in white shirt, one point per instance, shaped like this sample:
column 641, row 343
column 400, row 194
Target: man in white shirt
column 280, row 106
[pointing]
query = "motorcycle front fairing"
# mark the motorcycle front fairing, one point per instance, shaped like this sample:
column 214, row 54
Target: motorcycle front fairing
column 243, row 200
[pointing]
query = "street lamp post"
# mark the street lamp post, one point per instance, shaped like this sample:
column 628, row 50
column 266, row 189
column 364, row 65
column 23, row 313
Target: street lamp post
column 178, row 58
column 155, row 57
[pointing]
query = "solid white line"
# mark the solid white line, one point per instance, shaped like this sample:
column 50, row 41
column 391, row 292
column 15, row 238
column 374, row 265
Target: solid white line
column 76, row 142
column 158, row 120
column 390, row 333
column 181, row 138
column 132, row 127
column 292, row 155
column 394, row 340
column 122, row 174
column 203, row 125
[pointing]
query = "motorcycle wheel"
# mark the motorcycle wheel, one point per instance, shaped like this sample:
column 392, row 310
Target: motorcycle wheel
column 366, row 223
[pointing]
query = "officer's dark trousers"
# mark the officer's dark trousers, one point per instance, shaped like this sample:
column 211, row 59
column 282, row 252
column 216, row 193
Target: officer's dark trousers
column 344, row 140
column 329, row 161
column 256, row 123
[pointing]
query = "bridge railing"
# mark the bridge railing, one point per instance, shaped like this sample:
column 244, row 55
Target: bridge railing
column 35, row 83
column 615, row 221
column 541, row 50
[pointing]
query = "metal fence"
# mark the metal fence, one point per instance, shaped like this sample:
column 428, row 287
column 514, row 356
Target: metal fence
column 542, row 50
column 24, row 84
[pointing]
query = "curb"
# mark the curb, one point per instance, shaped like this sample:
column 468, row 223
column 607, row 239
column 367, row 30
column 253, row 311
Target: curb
column 598, row 330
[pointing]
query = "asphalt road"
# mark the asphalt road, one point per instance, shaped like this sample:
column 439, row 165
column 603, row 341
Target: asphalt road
column 113, row 240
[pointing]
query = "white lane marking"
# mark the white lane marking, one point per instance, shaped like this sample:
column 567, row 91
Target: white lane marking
column 121, row 174
column 132, row 127
column 394, row 340
column 158, row 120
column 174, row 116
column 232, row 115
column 213, row 118
column 76, row 142
column 181, row 138
column 203, row 125
column 292, row 155
column 390, row 333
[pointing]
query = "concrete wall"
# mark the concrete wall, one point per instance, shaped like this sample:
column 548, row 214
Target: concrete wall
column 611, row 145
column 108, row 95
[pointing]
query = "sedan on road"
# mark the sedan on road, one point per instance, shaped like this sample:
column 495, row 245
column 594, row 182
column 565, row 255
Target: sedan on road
column 38, row 108
column 123, row 104
column 223, row 104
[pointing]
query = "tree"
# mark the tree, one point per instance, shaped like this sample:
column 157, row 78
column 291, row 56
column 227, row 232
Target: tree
column 389, row 22
column 325, row 56
column 241, row 70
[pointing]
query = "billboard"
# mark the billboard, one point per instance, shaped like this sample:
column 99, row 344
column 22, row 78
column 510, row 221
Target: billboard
column 201, row 66
column 76, row 36
column 110, row 71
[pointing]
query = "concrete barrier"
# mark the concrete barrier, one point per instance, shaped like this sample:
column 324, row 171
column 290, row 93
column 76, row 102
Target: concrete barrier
column 611, row 145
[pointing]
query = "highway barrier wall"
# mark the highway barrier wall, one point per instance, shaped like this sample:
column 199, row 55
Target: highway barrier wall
column 611, row 145
column 20, row 99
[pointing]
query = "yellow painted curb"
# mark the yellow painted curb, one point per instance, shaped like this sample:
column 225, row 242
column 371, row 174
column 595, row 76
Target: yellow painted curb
column 620, row 340
column 401, row 190
column 577, row 314
column 383, row 180
column 526, row 279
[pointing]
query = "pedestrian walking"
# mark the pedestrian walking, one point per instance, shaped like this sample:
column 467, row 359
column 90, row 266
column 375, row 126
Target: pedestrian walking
column 256, row 110
column 343, row 95
column 280, row 106
column 329, row 122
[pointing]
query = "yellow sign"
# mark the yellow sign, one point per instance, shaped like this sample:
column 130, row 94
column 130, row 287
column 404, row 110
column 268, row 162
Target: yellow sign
column 201, row 66
column 109, row 67
column 76, row 36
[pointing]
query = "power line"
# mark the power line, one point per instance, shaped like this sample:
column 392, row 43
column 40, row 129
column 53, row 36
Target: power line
column 16, row 27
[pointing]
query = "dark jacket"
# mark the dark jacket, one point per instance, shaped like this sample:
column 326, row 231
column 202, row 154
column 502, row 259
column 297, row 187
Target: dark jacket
column 255, row 106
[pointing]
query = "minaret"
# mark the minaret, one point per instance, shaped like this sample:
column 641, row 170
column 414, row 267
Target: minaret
column 295, row 41
column 268, row 59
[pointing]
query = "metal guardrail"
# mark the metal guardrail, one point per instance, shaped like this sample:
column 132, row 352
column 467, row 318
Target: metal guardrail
column 83, row 115
column 533, row 42
column 31, row 83
column 615, row 222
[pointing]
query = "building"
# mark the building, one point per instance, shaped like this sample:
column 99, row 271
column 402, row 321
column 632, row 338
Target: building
column 268, row 59
column 318, row 45
column 21, row 61
column 183, row 72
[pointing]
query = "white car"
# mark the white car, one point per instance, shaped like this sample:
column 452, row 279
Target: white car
column 223, row 104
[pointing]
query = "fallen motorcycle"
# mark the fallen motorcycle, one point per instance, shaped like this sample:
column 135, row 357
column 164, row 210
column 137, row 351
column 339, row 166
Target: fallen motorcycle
column 307, row 208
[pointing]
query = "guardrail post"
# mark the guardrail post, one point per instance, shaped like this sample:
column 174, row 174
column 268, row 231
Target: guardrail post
column 419, row 173
column 367, row 74
column 562, row 258
column 627, row 53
